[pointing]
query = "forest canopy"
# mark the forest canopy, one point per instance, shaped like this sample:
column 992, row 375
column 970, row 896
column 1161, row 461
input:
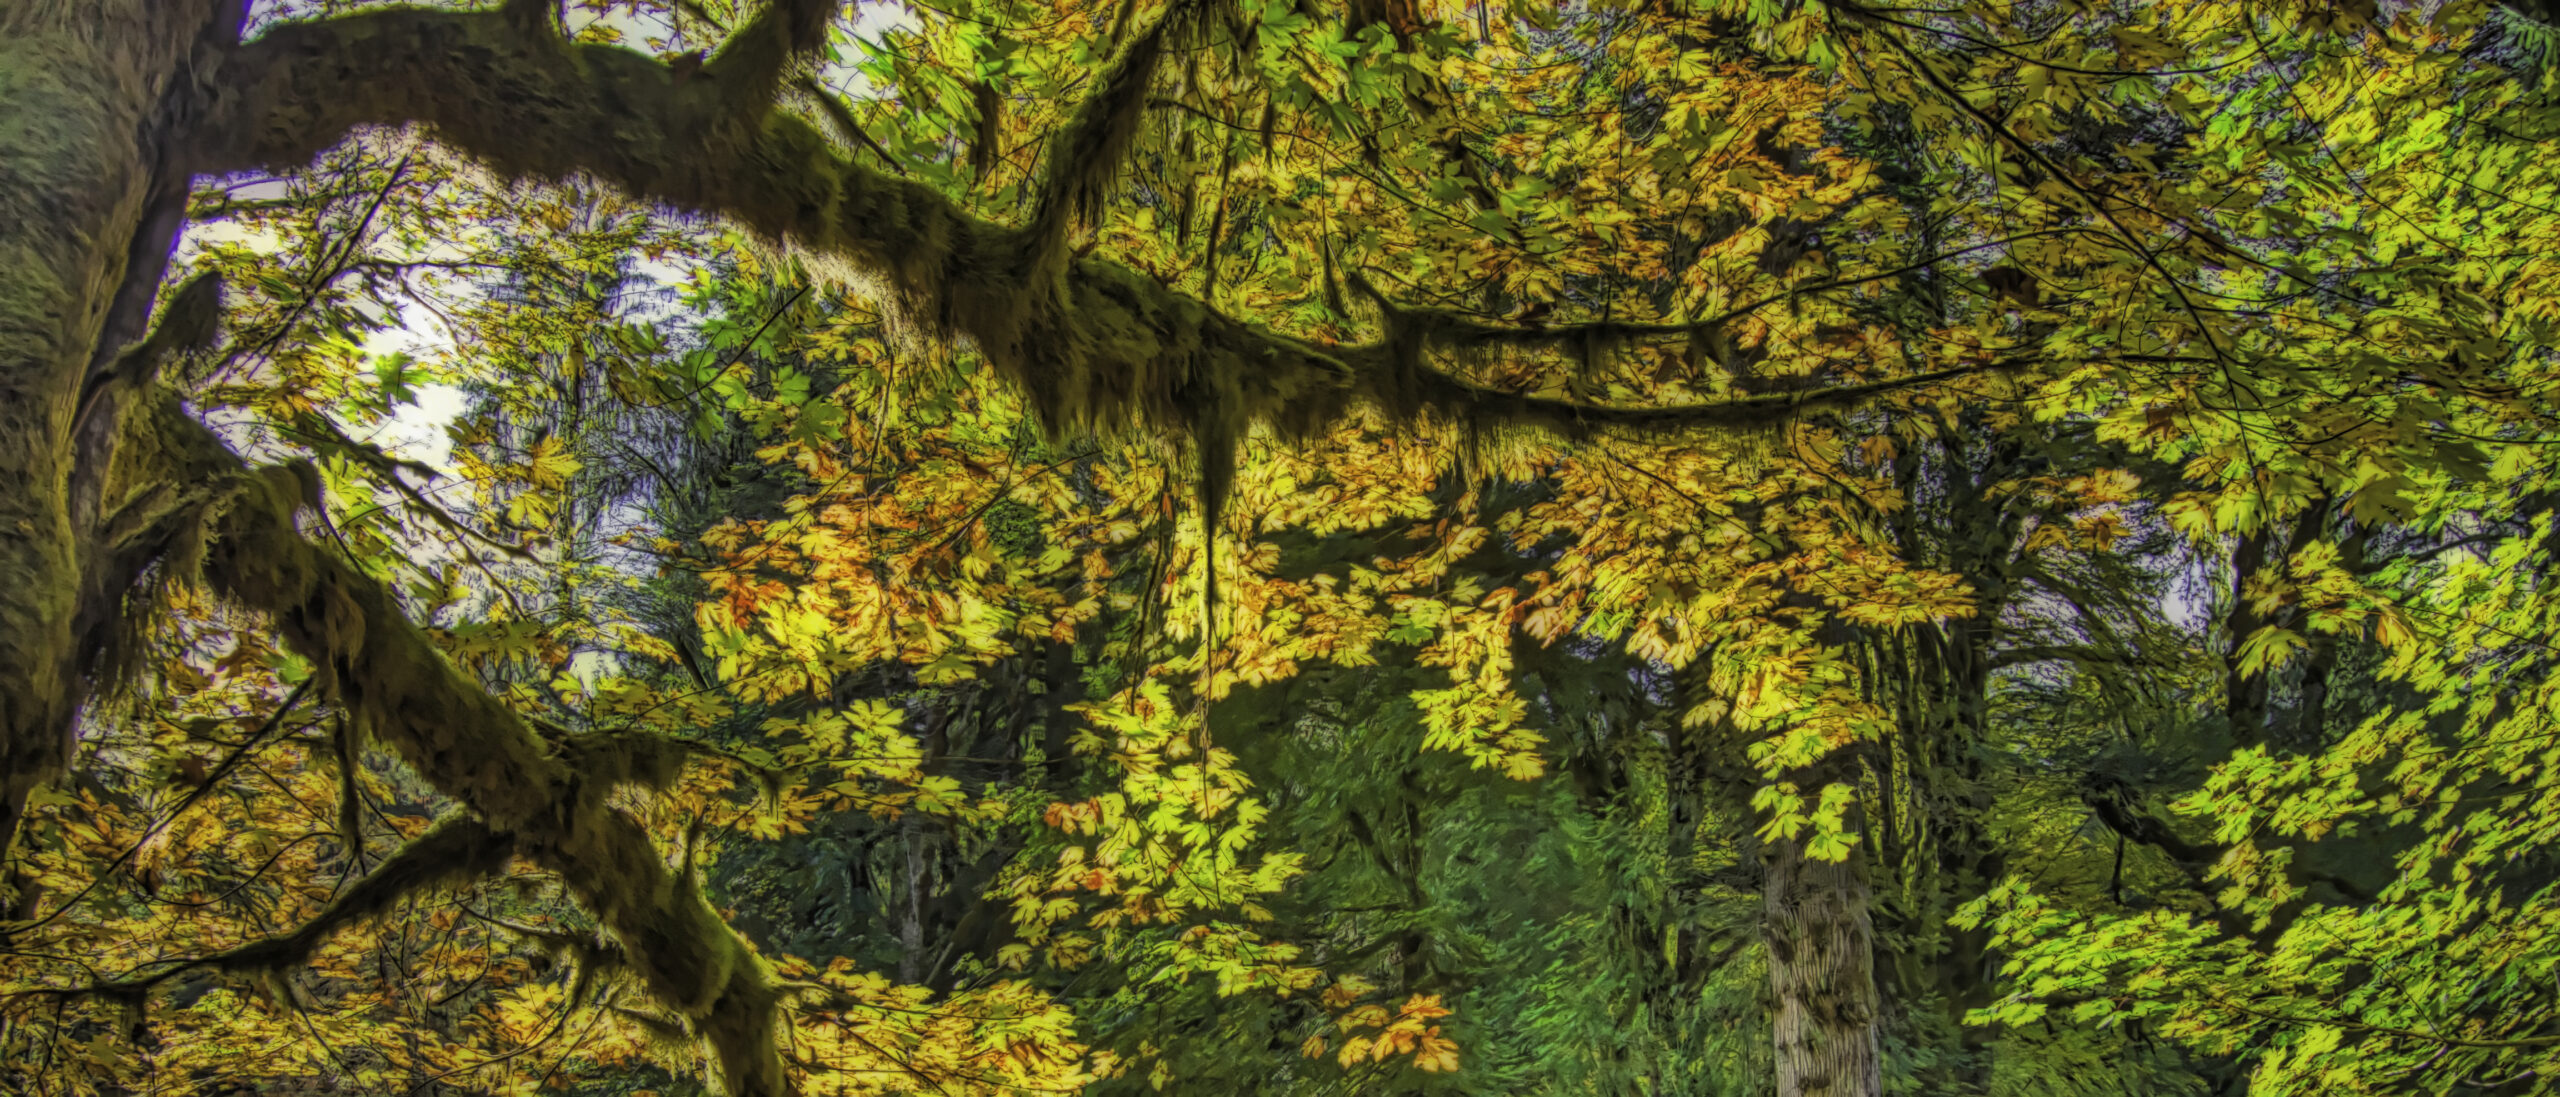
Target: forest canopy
column 1702, row 547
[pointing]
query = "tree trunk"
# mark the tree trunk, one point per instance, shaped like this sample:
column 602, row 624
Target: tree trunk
column 101, row 111
column 89, row 205
column 2244, row 699
column 1821, row 957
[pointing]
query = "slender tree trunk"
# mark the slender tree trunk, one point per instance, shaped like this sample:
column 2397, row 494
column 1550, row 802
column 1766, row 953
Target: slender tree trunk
column 1821, row 957
column 1970, row 860
column 2244, row 699
column 1820, row 933
column 1822, row 952
column 911, row 895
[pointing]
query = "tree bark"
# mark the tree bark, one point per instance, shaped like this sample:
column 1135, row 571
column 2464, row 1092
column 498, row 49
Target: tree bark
column 1821, row 967
column 91, row 93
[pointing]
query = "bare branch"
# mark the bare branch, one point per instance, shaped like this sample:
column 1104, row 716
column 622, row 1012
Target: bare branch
column 455, row 851
column 846, row 125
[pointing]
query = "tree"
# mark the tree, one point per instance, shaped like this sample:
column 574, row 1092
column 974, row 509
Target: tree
column 1547, row 241
column 125, row 106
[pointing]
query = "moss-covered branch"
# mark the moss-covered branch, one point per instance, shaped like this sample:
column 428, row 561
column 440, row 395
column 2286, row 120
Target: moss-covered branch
column 1095, row 344
column 1458, row 331
column 384, row 673
column 1492, row 406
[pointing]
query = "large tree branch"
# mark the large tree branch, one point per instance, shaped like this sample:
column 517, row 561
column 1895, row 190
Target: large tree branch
column 1094, row 344
column 385, row 674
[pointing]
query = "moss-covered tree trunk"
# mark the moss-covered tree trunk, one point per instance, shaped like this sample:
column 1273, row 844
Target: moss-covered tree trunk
column 108, row 110
column 91, row 192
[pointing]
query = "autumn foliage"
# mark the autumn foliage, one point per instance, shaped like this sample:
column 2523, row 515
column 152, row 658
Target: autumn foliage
column 1262, row 545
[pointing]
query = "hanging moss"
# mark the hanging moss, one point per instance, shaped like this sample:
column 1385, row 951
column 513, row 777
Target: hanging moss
column 639, row 758
column 1084, row 170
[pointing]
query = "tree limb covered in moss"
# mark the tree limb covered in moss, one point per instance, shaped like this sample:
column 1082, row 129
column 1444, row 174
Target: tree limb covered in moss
column 1451, row 394
column 1458, row 331
column 1094, row 344
column 750, row 64
column 189, row 322
column 379, row 668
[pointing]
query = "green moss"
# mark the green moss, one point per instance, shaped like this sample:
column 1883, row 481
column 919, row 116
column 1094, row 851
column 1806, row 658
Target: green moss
column 549, row 807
